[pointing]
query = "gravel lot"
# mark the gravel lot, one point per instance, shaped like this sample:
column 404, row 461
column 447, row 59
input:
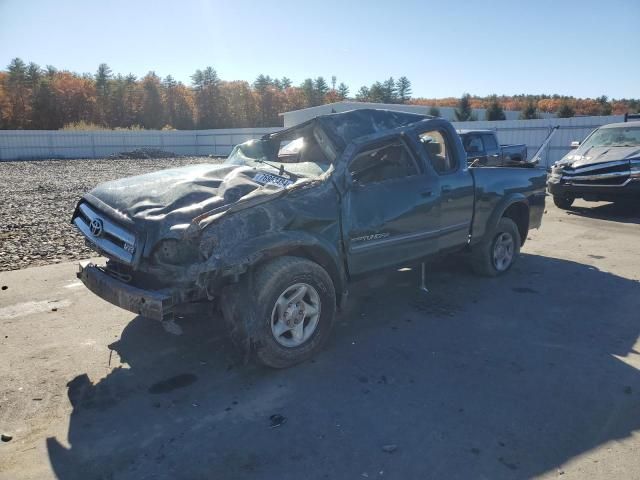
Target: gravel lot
column 39, row 197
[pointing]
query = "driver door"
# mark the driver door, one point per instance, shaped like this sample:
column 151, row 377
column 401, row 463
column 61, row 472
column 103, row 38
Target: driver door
column 391, row 209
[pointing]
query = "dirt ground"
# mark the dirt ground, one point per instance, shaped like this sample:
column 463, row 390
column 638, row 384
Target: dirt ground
column 531, row 375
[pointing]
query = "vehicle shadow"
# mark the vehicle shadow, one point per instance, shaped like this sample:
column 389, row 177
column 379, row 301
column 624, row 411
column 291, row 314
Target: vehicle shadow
column 623, row 212
column 479, row 378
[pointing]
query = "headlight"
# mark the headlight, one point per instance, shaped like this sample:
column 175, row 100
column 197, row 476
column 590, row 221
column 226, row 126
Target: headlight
column 555, row 175
column 175, row 252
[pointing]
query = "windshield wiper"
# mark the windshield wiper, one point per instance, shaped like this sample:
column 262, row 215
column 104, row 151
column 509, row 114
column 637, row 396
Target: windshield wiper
column 281, row 169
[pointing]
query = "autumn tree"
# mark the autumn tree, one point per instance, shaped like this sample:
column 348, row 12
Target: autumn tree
column 243, row 105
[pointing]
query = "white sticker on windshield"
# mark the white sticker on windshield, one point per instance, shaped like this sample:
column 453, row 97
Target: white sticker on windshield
column 267, row 178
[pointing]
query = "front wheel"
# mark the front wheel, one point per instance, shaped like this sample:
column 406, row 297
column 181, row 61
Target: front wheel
column 288, row 311
column 497, row 254
column 563, row 201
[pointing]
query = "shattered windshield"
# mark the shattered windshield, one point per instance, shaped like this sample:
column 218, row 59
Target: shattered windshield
column 614, row 137
column 292, row 156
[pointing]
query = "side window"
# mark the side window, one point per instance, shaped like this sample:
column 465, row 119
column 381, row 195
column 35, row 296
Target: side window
column 438, row 151
column 386, row 162
column 490, row 143
column 473, row 144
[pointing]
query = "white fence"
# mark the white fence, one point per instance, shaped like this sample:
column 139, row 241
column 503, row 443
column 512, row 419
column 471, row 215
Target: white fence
column 33, row 144
column 533, row 132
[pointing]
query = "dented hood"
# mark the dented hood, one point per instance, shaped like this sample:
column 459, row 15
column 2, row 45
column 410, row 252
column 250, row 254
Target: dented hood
column 600, row 154
column 174, row 197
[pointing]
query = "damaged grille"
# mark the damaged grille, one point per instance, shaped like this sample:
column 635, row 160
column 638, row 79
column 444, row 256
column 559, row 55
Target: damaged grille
column 104, row 235
column 606, row 174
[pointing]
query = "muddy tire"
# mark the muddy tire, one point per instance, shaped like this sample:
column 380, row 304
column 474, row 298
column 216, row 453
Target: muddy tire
column 281, row 314
column 499, row 251
column 563, row 201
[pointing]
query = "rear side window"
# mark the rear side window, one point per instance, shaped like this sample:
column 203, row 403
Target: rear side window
column 490, row 142
column 438, row 151
column 472, row 143
column 386, row 162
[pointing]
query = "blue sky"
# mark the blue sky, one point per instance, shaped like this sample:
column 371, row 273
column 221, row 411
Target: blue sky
column 579, row 48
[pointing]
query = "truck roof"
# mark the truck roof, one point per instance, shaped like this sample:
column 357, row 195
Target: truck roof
column 346, row 127
column 622, row 124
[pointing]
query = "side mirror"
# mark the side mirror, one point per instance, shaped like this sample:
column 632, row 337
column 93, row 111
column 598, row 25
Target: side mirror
column 575, row 144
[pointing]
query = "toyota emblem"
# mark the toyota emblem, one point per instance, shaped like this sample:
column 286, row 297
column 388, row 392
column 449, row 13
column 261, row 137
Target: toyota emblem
column 96, row 227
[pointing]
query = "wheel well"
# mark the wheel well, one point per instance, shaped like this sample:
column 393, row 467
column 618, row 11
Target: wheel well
column 519, row 213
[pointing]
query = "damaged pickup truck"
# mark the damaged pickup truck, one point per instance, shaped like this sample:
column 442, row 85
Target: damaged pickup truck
column 276, row 232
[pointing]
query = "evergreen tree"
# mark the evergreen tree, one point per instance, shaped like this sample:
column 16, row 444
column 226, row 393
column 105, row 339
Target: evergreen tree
column 389, row 92
column 529, row 112
column 343, row 91
column 44, row 107
column 604, row 105
column 321, row 89
column 18, row 94
column 363, row 94
column 152, row 107
column 309, row 92
column 565, row 110
column 377, row 93
column 403, row 87
column 209, row 104
column 464, row 112
column 286, row 82
column 261, row 83
column 103, row 101
column 494, row 110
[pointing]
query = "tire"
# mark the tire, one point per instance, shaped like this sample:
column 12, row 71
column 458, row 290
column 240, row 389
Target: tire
column 486, row 259
column 283, row 313
column 564, row 202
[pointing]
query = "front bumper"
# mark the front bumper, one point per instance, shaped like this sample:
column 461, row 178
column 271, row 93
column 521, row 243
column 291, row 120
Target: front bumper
column 152, row 304
column 608, row 193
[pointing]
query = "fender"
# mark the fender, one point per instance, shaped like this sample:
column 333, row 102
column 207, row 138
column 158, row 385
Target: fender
column 297, row 243
column 498, row 212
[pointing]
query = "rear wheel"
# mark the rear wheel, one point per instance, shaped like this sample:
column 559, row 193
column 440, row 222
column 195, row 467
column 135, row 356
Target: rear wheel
column 287, row 313
column 499, row 251
column 563, row 201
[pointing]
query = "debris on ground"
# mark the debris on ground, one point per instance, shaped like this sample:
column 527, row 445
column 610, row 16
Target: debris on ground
column 277, row 420
column 143, row 154
column 6, row 438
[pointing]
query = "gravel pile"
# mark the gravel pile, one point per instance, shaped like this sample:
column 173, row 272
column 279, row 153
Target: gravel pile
column 38, row 198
